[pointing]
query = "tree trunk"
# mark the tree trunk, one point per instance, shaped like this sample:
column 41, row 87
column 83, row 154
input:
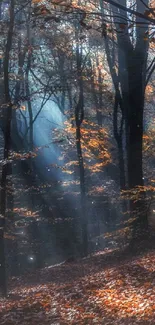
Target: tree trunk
column 131, row 78
column 79, row 116
column 6, row 128
column 82, row 191
column 138, row 207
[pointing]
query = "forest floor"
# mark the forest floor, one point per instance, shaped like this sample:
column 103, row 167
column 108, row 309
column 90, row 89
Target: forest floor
column 106, row 288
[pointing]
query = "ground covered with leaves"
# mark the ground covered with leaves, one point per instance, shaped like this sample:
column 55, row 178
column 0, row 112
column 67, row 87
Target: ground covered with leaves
column 101, row 289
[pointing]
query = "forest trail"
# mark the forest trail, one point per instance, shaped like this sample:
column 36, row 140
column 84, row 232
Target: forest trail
column 100, row 289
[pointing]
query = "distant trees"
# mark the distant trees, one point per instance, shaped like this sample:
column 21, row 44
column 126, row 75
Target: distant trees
column 59, row 51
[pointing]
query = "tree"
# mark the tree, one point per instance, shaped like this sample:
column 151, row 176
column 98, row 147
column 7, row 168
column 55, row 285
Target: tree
column 130, row 83
column 6, row 127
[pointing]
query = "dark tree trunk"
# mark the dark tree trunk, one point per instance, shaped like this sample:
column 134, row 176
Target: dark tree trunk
column 118, row 134
column 135, row 122
column 6, row 128
column 79, row 116
column 138, row 207
column 82, row 191
column 100, row 108
column 118, row 126
column 131, row 79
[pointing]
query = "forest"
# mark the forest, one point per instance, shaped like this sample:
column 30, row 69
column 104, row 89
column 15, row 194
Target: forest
column 77, row 157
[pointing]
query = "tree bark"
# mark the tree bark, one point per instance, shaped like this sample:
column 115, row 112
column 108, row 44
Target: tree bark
column 129, row 85
column 6, row 128
column 79, row 116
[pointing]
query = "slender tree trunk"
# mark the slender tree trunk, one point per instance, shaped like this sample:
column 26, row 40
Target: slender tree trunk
column 63, row 82
column 118, row 134
column 82, row 191
column 100, row 109
column 7, row 116
column 79, row 116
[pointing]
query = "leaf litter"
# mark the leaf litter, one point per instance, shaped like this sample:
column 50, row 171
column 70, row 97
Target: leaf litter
column 89, row 291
